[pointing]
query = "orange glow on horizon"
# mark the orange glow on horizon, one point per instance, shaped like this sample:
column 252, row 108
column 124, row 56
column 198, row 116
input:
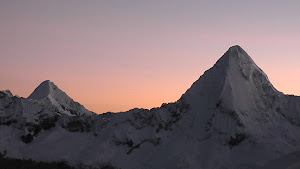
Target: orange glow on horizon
column 124, row 93
column 114, row 56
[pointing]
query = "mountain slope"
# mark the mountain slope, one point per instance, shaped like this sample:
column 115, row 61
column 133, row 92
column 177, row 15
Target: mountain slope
column 49, row 93
column 234, row 104
column 235, row 87
column 231, row 117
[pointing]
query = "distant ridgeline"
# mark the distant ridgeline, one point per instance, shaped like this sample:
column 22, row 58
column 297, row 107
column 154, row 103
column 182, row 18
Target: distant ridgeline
column 231, row 117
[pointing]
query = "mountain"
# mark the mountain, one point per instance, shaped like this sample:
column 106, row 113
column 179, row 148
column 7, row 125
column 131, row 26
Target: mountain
column 237, row 89
column 231, row 117
column 49, row 93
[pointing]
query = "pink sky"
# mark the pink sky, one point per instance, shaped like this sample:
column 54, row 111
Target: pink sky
column 114, row 56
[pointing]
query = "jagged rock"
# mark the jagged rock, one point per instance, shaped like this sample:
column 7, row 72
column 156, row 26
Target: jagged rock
column 231, row 117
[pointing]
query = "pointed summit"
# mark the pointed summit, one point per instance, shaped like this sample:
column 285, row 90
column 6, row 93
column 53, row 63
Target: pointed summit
column 234, row 70
column 238, row 53
column 49, row 93
column 236, row 48
column 45, row 89
column 235, row 55
column 234, row 84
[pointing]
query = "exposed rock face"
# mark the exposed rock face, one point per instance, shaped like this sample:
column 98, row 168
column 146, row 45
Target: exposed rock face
column 231, row 117
column 48, row 93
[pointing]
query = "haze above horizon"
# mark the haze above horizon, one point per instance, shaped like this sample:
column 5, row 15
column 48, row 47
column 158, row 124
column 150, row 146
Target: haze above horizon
column 114, row 56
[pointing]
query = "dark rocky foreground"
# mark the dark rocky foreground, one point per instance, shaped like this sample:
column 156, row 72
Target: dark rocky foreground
column 11, row 163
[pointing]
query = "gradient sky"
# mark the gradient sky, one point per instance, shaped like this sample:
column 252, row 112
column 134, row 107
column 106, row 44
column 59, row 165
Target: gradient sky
column 117, row 55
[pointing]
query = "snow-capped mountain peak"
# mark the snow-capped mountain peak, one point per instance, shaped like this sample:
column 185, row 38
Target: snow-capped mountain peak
column 49, row 93
column 231, row 117
column 44, row 90
column 236, row 87
column 236, row 57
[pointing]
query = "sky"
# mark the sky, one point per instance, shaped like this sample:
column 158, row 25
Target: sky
column 117, row 55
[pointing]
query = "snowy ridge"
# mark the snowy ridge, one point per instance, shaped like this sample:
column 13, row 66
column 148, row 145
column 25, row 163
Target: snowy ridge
column 49, row 93
column 231, row 117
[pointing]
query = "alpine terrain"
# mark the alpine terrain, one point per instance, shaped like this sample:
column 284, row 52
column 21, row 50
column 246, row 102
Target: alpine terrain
column 230, row 118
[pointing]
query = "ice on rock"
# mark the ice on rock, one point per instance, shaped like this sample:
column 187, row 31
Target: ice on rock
column 231, row 117
column 48, row 92
column 6, row 92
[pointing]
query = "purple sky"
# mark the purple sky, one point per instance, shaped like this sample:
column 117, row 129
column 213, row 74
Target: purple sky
column 117, row 55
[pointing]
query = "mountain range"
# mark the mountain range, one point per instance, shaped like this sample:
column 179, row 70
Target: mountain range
column 232, row 117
